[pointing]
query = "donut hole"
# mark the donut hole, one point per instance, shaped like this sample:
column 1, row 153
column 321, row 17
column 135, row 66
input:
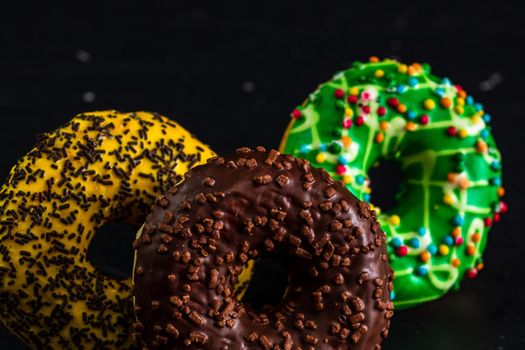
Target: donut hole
column 386, row 181
column 268, row 283
column 111, row 250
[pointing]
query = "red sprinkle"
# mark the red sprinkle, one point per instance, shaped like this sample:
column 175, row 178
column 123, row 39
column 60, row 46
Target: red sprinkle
column 366, row 109
column 393, row 102
column 452, row 131
column 347, row 123
column 339, row 93
column 340, row 169
column 497, row 217
column 359, row 121
column 459, row 240
column 352, row 99
column 381, row 111
column 472, row 273
column 503, row 207
column 487, row 222
column 424, row 119
column 402, row 251
column 297, row 114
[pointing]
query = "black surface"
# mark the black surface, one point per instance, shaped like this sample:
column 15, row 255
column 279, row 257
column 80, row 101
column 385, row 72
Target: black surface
column 232, row 75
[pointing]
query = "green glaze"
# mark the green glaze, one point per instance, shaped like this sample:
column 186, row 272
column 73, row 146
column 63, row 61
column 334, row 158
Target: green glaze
column 452, row 180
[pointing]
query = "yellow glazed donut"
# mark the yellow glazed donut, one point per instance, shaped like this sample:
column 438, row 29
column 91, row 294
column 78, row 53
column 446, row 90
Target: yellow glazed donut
column 98, row 168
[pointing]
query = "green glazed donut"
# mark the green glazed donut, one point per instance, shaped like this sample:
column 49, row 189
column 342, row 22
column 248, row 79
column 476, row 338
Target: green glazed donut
column 450, row 195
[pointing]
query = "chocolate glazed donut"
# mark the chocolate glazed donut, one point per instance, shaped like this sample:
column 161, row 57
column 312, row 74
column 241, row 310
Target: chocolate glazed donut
column 201, row 233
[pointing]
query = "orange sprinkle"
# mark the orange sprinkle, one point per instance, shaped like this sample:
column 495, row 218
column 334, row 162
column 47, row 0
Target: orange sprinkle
column 501, row 191
column 471, row 249
column 446, row 102
column 384, row 125
column 346, row 140
column 410, row 126
column 424, row 256
column 411, row 70
column 480, row 266
column 451, row 177
column 373, row 59
column 456, row 262
column 464, row 183
column 456, row 232
column 475, row 237
column 401, row 108
column 380, row 137
column 481, row 146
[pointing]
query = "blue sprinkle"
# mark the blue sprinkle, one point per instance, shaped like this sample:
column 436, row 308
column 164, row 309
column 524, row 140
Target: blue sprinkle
column 396, row 242
column 366, row 197
column 359, row 179
column 305, row 149
column 323, row 147
column 496, row 181
column 432, row 249
column 458, row 220
column 421, row 231
column 414, row 243
column 401, row 88
column 448, row 240
column 342, row 160
column 421, row 271
column 440, row 91
column 470, row 100
column 411, row 115
column 484, row 133
column 392, row 295
column 495, row 165
column 486, row 118
column 413, row 81
column 478, row 106
column 445, row 81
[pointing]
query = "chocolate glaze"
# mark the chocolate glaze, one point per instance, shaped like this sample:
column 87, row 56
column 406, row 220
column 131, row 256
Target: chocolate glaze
column 200, row 234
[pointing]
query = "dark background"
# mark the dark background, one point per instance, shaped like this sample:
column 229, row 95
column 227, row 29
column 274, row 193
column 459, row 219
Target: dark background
column 232, row 75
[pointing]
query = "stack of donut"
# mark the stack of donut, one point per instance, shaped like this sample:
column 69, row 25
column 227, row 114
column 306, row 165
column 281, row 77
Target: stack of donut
column 204, row 220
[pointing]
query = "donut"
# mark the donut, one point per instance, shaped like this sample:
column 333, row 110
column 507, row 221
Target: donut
column 200, row 234
column 441, row 139
column 98, row 168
